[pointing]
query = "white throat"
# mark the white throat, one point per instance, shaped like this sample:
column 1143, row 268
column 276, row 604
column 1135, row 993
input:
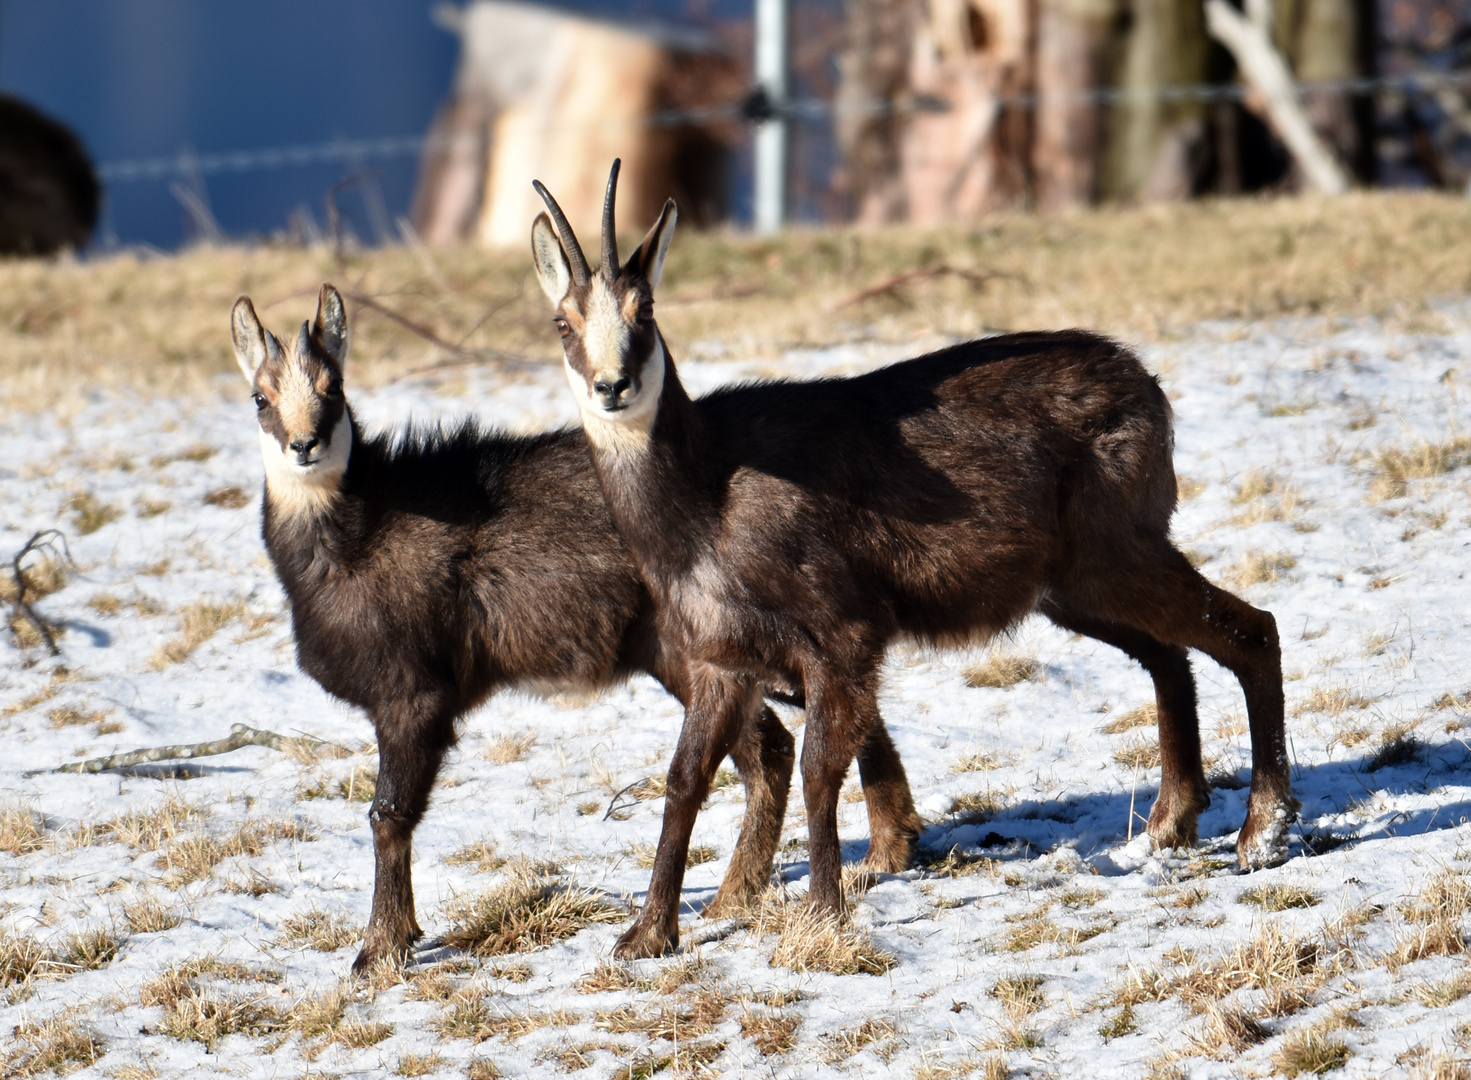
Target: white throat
column 627, row 430
column 306, row 490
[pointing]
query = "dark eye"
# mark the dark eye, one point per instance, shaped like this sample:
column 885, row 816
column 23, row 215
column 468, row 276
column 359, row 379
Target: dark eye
column 335, row 390
column 259, row 399
column 562, row 327
column 646, row 310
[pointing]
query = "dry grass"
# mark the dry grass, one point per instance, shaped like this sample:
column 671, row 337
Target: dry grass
column 1280, row 897
column 1439, row 995
column 60, row 1044
column 610, row 975
column 977, row 806
column 359, row 785
column 324, row 931
column 481, row 855
column 42, row 576
column 1332, row 700
column 470, row 1016
column 149, row 916
column 1262, row 497
column 816, row 941
column 185, row 980
column 772, row 1032
column 419, row 1064
column 22, row 958
column 206, row 1017
column 22, row 830
column 124, row 322
column 192, row 856
column 512, row 746
column 1441, row 1067
column 1286, row 967
column 877, row 1034
column 1120, row 1024
column 1138, row 753
column 227, row 498
column 1001, row 670
column 1261, row 567
column 1397, row 745
column 151, row 829
column 1146, row 715
column 1020, row 995
column 530, row 910
column 1034, row 928
column 89, row 513
column 198, row 622
column 1393, row 468
column 1434, row 917
column 687, row 1017
column 1312, row 1050
column 980, row 761
column 645, row 854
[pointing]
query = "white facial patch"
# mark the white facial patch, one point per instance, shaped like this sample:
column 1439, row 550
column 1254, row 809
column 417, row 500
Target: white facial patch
column 627, row 430
column 605, row 341
column 306, row 490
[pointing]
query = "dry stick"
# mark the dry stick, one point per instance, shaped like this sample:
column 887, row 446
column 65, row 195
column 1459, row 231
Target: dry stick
column 45, row 539
column 1247, row 38
column 240, row 736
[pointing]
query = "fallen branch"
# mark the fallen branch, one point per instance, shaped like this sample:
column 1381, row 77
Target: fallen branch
column 1248, row 39
column 240, row 736
column 44, row 540
column 890, row 285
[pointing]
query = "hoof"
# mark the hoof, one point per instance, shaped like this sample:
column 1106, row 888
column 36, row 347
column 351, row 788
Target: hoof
column 378, row 947
column 641, row 942
column 888, row 859
column 727, row 905
column 1263, row 845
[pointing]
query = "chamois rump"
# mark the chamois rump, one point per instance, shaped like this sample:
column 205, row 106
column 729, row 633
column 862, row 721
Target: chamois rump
column 788, row 531
column 428, row 569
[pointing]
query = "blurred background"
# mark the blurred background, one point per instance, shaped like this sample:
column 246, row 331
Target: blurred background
column 373, row 120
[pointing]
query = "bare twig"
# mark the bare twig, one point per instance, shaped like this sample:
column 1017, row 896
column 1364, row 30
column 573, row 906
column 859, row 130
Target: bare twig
column 975, row 278
column 44, row 540
column 240, row 736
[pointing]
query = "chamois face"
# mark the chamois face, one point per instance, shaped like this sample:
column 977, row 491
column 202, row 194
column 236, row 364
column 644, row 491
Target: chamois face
column 305, row 429
column 614, row 356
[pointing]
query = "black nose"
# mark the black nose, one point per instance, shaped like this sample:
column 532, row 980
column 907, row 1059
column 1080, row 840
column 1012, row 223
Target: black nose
column 304, row 446
column 611, row 391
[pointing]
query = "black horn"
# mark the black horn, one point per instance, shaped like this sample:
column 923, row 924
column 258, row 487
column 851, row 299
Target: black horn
column 610, row 235
column 575, row 257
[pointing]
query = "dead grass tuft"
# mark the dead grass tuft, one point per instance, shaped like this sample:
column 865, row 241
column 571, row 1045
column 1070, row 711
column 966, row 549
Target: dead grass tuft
column 1333, row 700
column 185, row 980
column 1279, row 897
column 877, row 1034
column 689, row 1017
column 772, row 1032
column 198, row 622
column 690, row 967
column 207, row 1018
column 22, row 830
column 419, row 1064
column 22, row 958
column 509, row 747
column 89, row 513
column 359, row 785
column 1264, row 496
column 231, row 497
column 817, row 941
column 1398, row 745
column 59, row 1044
column 1020, row 995
column 85, row 950
column 1311, row 1050
column 1439, row 995
column 1138, row 753
column 1393, row 468
column 1286, row 967
column 1000, row 671
column 530, row 910
column 1441, row 1067
column 149, row 916
column 1228, row 1032
column 1120, row 1024
column 42, row 577
column 471, row 1017
column 1261, row 567
column 1434, row 917
column 1146, row 715
column 481, row 855
column 980, row 761
column 324, row 931
column 975, row 807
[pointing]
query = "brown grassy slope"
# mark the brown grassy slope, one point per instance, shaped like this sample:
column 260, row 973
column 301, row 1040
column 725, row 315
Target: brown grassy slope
column 161, row 323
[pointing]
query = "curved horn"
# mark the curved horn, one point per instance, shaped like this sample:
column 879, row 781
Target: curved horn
column 304, row 340
column 610, row 235
column 575, row 258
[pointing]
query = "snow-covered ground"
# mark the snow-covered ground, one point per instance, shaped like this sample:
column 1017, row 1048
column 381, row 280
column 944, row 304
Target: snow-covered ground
column 1068, row 950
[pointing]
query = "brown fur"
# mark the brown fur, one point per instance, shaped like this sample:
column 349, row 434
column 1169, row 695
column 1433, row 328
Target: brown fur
column 436, row 570
column 790, row 531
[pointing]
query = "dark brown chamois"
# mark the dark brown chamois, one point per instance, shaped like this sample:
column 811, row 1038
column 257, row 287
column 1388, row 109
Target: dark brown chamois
column 428, row 569
column 788, row 531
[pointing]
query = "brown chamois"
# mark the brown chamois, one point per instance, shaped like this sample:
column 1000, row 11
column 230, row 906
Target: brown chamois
column 788, row 531
column 428, row 569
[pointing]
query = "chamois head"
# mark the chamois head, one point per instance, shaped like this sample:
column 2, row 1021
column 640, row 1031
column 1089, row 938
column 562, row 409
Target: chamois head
column 614, row 355
column 305, row 427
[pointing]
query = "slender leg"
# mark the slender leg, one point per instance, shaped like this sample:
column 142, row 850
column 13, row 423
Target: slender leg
column 764, row 752
column 841, row 714
column 410, row 750
column 1165, row 597
column 893, row 823
column 1183, row 792
column 720, row 706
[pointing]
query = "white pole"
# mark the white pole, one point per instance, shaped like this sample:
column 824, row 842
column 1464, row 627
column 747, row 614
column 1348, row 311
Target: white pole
column 772, row 25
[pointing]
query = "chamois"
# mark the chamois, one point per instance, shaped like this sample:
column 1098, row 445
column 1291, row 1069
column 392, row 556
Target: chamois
column 428, row 569
column 788, row 531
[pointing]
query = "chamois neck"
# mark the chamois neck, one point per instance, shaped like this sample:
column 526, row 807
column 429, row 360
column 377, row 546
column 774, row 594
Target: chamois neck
column 302, row 496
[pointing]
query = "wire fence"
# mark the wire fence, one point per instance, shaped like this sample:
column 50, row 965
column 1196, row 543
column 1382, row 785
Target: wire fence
column 754, row 108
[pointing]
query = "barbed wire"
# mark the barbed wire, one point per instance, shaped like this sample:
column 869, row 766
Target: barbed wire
column 754, row 108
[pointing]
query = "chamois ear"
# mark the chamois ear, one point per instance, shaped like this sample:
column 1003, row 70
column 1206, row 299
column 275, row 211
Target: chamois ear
column 552, row 268
column 250, row 338
column 330, row 329
column 649, row 257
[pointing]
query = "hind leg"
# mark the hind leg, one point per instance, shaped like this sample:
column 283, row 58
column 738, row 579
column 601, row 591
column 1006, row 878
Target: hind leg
column 764, row 754
column 893, row 823
column 1152, row 587
column 1183, row 792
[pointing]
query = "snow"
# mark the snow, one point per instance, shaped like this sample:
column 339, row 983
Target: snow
column 1371, row 601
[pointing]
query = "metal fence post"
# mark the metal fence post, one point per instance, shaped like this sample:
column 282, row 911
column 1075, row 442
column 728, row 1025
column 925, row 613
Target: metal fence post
column 772, row 66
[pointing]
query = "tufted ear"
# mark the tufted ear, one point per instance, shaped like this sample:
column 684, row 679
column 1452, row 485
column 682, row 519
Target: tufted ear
column 649, row 258
column 552, row 268
column 330, row 328
column 254, row 344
